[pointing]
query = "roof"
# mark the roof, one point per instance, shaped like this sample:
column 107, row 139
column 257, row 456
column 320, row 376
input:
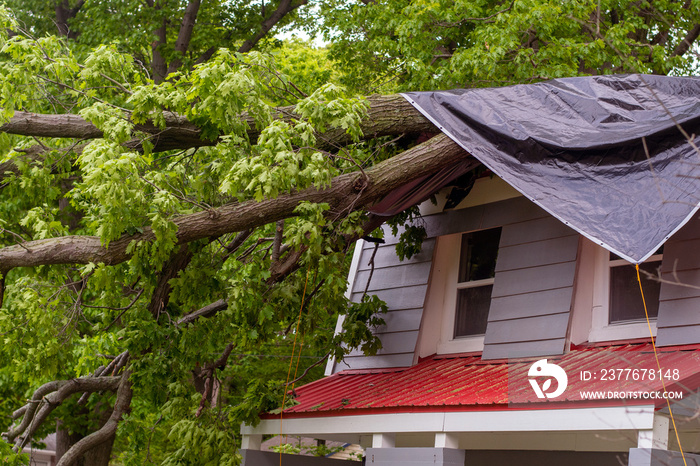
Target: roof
column 464, row 382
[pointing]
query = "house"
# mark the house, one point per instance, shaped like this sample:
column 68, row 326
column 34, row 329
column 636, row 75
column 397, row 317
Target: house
column 518, row 335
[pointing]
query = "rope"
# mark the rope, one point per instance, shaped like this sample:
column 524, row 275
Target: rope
column 291, row 360
column 658, row 365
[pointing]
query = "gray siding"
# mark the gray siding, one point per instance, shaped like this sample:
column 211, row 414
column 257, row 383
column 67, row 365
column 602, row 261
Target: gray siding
column 532, row 292
column 402, row 285
column 679, row 306
column 533, row 289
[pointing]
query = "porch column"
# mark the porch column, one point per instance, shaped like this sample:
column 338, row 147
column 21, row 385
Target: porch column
column 657, row 436
column 383, row 441
column 446, row 440
column 652, row 447
column 251, row 442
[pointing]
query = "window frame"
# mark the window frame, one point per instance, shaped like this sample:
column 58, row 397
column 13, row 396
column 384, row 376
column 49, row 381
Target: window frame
column 601, row 327
column 447, row 272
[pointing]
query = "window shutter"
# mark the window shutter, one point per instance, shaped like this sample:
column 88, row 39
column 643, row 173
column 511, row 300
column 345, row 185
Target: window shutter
column 533, row 290
column 678, row 322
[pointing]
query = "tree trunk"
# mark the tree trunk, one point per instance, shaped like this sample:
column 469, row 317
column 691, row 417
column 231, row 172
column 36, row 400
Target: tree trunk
column 97, row 456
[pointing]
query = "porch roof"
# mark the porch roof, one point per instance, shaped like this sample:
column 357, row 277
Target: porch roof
column 463, row 382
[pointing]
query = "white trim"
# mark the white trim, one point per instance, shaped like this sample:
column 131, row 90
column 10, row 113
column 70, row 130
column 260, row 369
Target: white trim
column 383, row 440
column 446, row 440
column 448, row 255
column 657, row 436
column 251, row 442
column 359, row 245
column 601, row 328
column 565, row 222
column 545, row 420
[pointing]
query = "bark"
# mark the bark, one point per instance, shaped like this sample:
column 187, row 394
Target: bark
column 107, row 432
column 687, row 42
column 65, row 13
column 285, row 7
column 184, row 36
column 205, row 312
column 158, row 64
column 49, row 396
column 96, row 456
column 387, row 116
column 65, row 440
column 346, row 193
column 161, row 295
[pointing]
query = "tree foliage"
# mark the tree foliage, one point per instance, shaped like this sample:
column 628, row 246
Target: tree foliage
column 179, row 191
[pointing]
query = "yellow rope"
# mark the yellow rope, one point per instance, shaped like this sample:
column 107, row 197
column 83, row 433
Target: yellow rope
column 658, row 364
column 291, row 361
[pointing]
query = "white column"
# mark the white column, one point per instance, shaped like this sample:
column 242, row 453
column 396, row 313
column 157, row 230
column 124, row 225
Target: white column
column 446, row 440
column 383, row 441
column 657, row 437
column 251, row 442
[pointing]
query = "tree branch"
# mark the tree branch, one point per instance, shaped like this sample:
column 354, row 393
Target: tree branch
column 387, row 116
column 47, row 397
column 277, row 243
column 173, row 266
column 687, row 41
column 285, row 7
column 158, row 64
column 346, row 193
column 183, row 38
column 121, row 405
column 205, row 312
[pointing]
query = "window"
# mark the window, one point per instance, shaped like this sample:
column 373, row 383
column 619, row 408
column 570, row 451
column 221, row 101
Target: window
column 459, row 295
column 617, row 310
column 625, row 299
column 477, row 268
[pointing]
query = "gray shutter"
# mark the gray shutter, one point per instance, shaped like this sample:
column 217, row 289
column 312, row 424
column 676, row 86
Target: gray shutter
column 533, row 290
column 402, row 285
column 678, row 321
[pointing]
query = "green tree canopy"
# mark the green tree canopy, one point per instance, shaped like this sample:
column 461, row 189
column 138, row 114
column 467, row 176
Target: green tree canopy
column 179, row 191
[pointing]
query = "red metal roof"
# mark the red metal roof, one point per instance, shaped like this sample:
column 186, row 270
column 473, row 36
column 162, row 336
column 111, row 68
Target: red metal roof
column 465, row 382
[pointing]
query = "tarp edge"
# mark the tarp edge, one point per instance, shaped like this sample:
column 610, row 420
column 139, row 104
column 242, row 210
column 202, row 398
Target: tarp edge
column 565, row 222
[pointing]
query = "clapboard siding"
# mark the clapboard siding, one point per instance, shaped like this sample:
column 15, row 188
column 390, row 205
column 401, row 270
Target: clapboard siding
column 408, row 297
column 394, row 343
column 396, row 276
column 525, row 349
column 533, row 290
column 531, row 280
column 538, row 229
column 678, row 321
column 530, row 304
column 526, row 329
column 402, row 285
column 374, row 362
column 679, row 312
column 400, row 320
column 670, row 291
column 386, row 255
column 528, row 255
column 685, row 254
column 510, row 211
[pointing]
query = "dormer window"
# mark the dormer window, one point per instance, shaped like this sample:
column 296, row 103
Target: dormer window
column 625, row 299
column 477, row 268
column 618, row 312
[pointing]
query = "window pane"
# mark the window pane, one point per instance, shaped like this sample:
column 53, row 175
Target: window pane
column 478, row 255
column 625, row 298
column 472, row 310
